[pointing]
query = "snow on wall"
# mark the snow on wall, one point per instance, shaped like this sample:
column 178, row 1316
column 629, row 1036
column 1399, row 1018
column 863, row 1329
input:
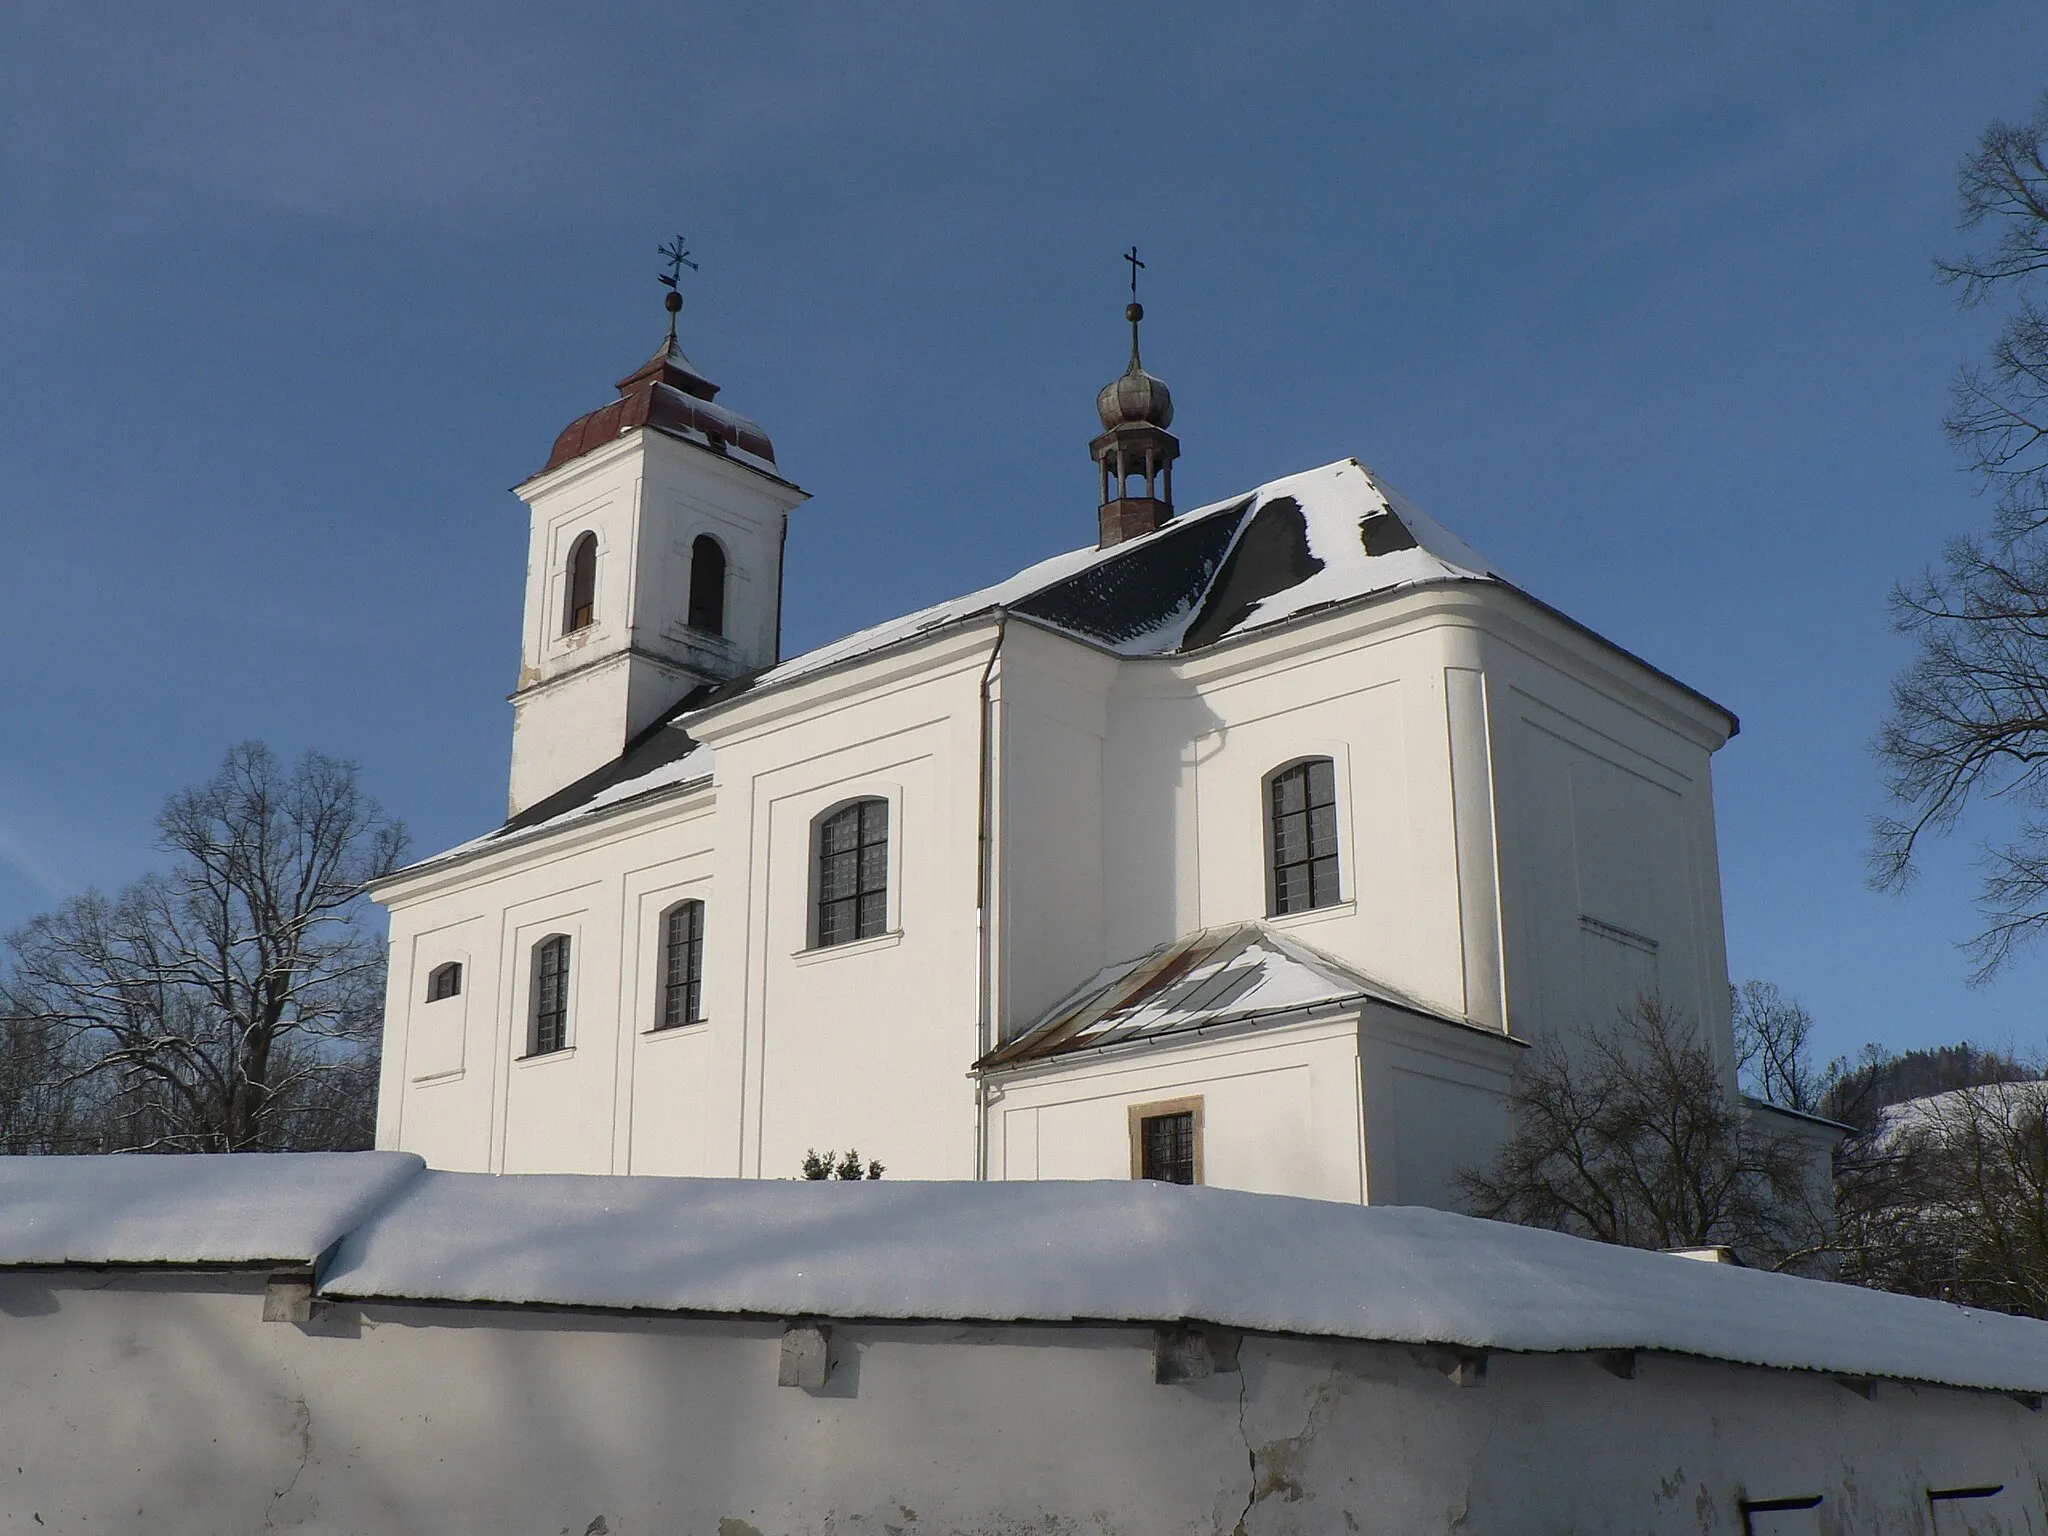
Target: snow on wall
column 251, row 1208
column 1140, row 1252
column 1133, row 1252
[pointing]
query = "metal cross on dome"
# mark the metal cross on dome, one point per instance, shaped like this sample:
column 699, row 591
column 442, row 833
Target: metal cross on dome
column 1132, row 257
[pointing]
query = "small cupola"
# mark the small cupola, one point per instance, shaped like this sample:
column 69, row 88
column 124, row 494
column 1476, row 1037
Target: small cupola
column 1135, row 451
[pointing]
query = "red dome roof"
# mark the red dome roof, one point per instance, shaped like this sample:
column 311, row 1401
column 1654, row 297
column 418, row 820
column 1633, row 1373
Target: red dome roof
column 667, row 394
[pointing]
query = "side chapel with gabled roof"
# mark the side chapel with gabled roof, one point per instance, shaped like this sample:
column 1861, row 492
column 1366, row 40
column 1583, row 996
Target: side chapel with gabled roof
column 1251, row 845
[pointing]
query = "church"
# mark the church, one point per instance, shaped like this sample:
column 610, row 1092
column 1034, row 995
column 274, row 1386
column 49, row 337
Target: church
column 1249, row 845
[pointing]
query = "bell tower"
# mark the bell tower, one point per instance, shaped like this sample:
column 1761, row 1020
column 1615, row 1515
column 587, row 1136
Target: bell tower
column 1135, row 452
column 654, row 566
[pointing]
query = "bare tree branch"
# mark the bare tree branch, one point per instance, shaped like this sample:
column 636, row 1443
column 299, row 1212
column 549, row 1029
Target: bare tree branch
column 1968, row 724
column 1632, row 1139
column 234, row 1001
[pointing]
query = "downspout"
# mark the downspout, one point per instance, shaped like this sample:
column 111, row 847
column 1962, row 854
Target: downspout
column 781, row 561
column 984, row 934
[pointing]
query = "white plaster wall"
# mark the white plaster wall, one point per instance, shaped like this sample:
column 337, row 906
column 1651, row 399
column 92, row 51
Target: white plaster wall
column 646, row 497
column 1610, row 883
column 1435, row 1101
column 152, row 1404
column 689, row 491
column 864, row 1044
column 624, row 1097
column 1280, row 1111
column 1191, row 747
column 1500, row 777
column 1051, row 703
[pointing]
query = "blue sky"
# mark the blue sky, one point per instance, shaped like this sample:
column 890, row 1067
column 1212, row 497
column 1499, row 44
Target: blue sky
column 1637, row 299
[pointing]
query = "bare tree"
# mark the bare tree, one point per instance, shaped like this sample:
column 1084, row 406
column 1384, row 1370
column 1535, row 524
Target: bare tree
column 1632, row 1139
column 1964, row 1174
column 1969, row 715
column 44, row 1108
column 235, row 1001
column 1773, row 1037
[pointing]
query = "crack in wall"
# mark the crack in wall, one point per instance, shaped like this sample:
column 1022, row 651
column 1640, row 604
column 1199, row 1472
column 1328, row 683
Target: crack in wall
column 1281, row 1454
column 302, row 1426
column 1251, row 1457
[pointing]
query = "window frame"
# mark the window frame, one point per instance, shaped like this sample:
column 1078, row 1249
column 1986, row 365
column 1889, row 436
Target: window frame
column 817, row 856
column 1138, row 1114
column 698, row 546
column 537, row 1009
column 447, row 968
column 571, row 625
column 665, row 983
column 1270, row 814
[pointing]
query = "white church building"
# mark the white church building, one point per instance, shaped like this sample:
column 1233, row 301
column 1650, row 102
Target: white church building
column 1250, row 845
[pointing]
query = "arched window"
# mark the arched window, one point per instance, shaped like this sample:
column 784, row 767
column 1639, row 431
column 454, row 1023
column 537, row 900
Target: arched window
column 707, row 585
column 579, row 594
column 550, row 995
column 445, row 981
column 853, row 873
column 682, row 965
column 1302, row 802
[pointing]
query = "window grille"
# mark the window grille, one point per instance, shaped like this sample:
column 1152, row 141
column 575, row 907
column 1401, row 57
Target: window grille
column 551, row 994
column 853, row 873
column 579, row 607
column 1167, row 1147
column 682, row 984
column 1304, row 831
column 446, row 981
column 707, row 586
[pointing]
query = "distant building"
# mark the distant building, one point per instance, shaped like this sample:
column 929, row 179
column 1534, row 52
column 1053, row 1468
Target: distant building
column 1249, row 846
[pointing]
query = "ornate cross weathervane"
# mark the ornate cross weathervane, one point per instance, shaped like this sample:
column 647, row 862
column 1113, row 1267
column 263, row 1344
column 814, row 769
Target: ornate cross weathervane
column 677, row 255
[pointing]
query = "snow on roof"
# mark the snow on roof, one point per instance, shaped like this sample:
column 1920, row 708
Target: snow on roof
column 249, row 1208
column 620, row 783
column 1139, row 1252
column 1237, row 973
column 1325, row 536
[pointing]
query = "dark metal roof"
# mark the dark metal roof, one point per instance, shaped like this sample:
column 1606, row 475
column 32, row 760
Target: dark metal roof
column 1144, row 584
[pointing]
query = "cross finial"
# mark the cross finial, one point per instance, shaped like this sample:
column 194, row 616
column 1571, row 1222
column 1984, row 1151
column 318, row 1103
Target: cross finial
column 677, row 255
column 1134, row 311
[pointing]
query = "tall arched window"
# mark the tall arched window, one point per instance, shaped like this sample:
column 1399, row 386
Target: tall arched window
column 1302, row 827
column 550, row 995
column 579, row 593
column 707, row 585
column 682, row 965
column 853, row 873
